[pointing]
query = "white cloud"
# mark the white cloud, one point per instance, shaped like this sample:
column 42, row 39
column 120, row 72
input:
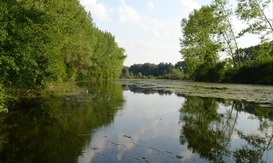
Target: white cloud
column 145, row 38
column 189, row 5
column 152, row 40
column 90, row 151
column 150, row 5
column 98, row 9
column 127, row 13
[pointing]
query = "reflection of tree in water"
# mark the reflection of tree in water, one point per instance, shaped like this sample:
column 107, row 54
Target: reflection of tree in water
column 257, row 144
column 146, row 90
column 208, row 132
column 254, row 149
column 56, row 130
column 202, row 128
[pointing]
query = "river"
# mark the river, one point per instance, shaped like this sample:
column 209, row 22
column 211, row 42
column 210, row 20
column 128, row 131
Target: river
column 127, row 123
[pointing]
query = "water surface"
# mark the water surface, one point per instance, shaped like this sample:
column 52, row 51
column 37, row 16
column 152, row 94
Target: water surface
column 125, row 123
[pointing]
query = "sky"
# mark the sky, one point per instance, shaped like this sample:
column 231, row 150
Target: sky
column 148, row 30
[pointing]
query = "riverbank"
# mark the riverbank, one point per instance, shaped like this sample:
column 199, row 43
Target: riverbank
column 252, row 93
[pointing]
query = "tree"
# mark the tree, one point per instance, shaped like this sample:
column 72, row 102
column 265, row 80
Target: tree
column 164, row 69
column 2, row 99
column 47, row 41
column 108, row 57
column 226, row 36
column 253, row 12
column 125, row 72
column 198, row 45
column 257, row 54
column 182, row 66
column 22, row 60
column 135, row 68
column 161, row 70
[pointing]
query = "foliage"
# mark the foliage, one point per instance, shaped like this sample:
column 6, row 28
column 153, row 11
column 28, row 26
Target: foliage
column 175, row 74
column 22, row 61
column 226, row 35
column 3, row 97
column 149, row 70
column 198, row 44
column 125, row 72
column 257, row 74
column 256, row 54
column 210, row 74
column 181, row 65
column 253, row 13
column 47, row 41
column 208, row 33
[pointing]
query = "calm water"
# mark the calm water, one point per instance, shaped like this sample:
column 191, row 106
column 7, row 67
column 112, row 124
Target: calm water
column 117, row 123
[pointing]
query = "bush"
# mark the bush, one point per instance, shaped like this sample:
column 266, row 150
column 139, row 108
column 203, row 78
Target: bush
column 207, row 73
column 257, row 74
column 175, row 74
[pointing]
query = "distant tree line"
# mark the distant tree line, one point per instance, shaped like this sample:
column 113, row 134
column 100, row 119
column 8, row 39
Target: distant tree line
column 208, row 33
column 150, row 70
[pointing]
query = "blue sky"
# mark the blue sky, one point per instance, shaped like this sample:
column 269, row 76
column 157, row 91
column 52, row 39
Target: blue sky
column 148, row 30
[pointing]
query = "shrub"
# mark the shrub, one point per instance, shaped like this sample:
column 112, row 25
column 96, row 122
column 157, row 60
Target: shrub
column 257, row 74
column 207, row 73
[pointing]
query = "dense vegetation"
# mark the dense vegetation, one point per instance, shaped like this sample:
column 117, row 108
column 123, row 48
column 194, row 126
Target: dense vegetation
column 149, row 70
column 208, row 33
column 55, row 40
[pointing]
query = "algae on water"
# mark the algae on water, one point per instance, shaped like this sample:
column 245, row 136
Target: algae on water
column 251, row 93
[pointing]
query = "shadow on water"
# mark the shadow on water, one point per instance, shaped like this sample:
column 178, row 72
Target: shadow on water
column 146, row 90
column 56, row 129
column 217, row 130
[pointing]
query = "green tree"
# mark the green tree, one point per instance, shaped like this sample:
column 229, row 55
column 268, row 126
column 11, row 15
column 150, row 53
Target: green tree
column 47, row 41
column 198, row 44
column 108, row 57
column 257, row 54
column 182, row 66
column 161, row 70
column 22, row 60
column 226, row 36
column 135, row 68
column 253, row 12
column 164, row 69
column 125, row 72
column 174, row 74
column 3, row 97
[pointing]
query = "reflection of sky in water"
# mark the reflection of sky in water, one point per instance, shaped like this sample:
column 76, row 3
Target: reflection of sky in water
column 148, row 130
column 245, row 123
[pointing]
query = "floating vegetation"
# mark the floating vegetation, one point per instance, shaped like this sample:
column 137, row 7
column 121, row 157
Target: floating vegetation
column 251, row 93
